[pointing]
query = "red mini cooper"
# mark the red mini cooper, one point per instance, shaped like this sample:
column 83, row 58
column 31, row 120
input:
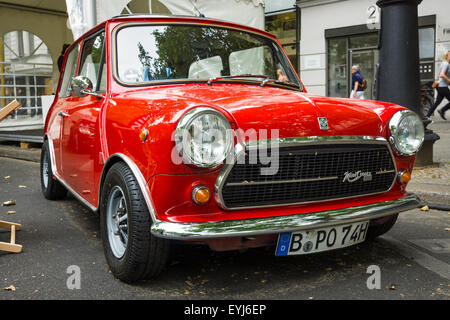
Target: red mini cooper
column 184, row 128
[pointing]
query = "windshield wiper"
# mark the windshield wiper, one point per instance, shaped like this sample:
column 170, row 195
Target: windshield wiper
column 287, row 83
column 210, row 81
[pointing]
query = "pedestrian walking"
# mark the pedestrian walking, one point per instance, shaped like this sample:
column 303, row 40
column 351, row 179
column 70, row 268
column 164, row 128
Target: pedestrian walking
column 442, row 89
column 358, row 84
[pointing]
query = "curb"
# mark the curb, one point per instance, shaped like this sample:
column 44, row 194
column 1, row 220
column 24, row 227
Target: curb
column 429, row 194
column 32, row 154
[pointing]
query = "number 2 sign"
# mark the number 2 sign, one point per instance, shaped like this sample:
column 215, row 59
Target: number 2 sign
column 373, row 17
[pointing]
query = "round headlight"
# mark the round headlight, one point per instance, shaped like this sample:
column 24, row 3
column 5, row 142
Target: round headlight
column 203, row 137
column 407, row 132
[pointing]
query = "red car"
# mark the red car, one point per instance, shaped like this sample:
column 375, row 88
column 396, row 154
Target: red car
column 184, row 128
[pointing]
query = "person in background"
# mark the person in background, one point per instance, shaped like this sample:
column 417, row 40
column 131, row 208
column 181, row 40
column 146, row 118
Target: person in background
column 442, row 89
column 357, row 79
column 61, row 56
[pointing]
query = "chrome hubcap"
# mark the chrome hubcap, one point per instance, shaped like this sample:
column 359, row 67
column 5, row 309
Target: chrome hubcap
column 45, row 171
column 117, row 221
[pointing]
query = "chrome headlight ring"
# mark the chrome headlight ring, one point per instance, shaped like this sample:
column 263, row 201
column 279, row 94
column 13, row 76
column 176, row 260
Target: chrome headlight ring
column 204, row 137
column 406, row 132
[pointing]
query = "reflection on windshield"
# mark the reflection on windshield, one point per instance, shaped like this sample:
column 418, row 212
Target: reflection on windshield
column 151, row 53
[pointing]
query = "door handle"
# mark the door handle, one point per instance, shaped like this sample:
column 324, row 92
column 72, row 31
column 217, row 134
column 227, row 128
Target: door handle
column 63, row 114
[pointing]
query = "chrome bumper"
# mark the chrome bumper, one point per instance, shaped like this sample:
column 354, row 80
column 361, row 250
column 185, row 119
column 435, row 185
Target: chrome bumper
column 274, row 225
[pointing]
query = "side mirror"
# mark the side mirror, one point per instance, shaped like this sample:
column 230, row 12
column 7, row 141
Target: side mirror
column 81, row 86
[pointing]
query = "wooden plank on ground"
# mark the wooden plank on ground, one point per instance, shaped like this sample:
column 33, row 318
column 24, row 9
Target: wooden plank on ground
column 10, row 108
column 11, row 246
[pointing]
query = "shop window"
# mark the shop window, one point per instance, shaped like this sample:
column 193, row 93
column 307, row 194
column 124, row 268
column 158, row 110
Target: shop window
column 343, row 53
column 337, row 67
column 363, row 41
column 426, row 43
column 284, row 27
column 26, row 70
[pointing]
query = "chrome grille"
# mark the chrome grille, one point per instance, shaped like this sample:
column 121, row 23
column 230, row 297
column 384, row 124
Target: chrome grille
column 309, row 174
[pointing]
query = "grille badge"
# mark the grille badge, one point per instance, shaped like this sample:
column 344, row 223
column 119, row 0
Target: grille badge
column 355, row 176
column 323, row 123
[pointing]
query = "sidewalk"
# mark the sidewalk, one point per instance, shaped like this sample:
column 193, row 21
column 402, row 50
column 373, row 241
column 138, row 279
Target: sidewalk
column 431, row 183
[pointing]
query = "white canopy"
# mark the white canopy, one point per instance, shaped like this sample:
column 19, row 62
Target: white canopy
column 84, row 14
column 247, row 12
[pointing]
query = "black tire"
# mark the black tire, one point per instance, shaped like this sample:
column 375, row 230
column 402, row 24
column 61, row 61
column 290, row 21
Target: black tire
column 380, row 226
column 142, row 255
column 51, row 188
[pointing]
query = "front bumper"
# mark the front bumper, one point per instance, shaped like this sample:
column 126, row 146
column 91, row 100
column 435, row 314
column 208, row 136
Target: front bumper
column 279, row 224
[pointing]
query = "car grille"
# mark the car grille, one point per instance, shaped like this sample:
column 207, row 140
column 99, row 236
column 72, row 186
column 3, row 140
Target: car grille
column 309, row 174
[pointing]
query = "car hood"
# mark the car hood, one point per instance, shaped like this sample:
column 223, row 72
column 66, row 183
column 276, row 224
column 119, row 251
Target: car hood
column 293, row 113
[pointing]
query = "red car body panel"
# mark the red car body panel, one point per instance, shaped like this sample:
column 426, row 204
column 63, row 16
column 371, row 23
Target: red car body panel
column 101, row 128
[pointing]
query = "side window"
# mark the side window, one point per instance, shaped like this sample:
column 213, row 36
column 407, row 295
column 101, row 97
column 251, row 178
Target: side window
column 69, row 73
column 91, row 60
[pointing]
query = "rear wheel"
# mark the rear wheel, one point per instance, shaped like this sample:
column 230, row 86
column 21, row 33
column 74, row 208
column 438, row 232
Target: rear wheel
column 51, row 188
column 380, row 226
column 132, row 252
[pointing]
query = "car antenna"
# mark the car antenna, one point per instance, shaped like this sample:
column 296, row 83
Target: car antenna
column 201, row 15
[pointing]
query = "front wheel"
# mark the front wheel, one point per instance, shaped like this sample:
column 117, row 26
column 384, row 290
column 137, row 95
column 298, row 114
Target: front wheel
column 380, row 226
column 131, row 251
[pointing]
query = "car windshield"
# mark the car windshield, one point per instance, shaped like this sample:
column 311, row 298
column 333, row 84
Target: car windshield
column 148, row 53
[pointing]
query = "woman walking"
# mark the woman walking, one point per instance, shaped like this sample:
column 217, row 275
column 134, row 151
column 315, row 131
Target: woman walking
column 442, row 89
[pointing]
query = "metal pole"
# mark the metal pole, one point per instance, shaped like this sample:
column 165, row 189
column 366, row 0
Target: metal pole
column 398, row 75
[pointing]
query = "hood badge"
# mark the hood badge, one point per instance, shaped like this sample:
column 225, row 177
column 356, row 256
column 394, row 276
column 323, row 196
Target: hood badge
column 323, row 123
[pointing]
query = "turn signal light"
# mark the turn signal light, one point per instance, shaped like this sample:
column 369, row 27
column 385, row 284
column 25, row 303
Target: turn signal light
column 404, row 176
column 143, row 135
column 201, row 195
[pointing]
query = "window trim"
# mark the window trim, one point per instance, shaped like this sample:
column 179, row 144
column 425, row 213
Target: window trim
column 75, row 70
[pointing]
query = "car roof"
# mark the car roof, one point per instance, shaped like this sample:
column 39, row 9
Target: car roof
column 143, row 17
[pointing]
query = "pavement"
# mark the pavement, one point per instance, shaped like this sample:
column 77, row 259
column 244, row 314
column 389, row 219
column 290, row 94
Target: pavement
column 61, row 243
column 430, row 183
column 61, row 237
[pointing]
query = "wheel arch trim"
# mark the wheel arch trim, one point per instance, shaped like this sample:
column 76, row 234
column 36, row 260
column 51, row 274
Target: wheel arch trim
column 120, row 157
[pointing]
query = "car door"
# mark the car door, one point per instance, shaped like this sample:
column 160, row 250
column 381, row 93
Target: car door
column 79, row 138
column 64, row 102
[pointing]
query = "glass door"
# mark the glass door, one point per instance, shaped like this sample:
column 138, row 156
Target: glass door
column 367, row 61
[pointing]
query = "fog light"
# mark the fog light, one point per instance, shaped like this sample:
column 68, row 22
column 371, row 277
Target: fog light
column 404, row 176
column 201, row 194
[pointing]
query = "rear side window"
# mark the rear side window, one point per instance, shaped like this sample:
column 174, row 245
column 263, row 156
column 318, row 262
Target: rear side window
column 69, row 73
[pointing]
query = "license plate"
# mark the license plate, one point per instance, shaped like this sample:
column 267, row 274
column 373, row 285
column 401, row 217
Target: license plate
column 317, row 240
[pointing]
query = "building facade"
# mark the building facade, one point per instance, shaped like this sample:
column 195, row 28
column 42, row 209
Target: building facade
column 282, row 18
column 323, row 39
column 337, row 34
